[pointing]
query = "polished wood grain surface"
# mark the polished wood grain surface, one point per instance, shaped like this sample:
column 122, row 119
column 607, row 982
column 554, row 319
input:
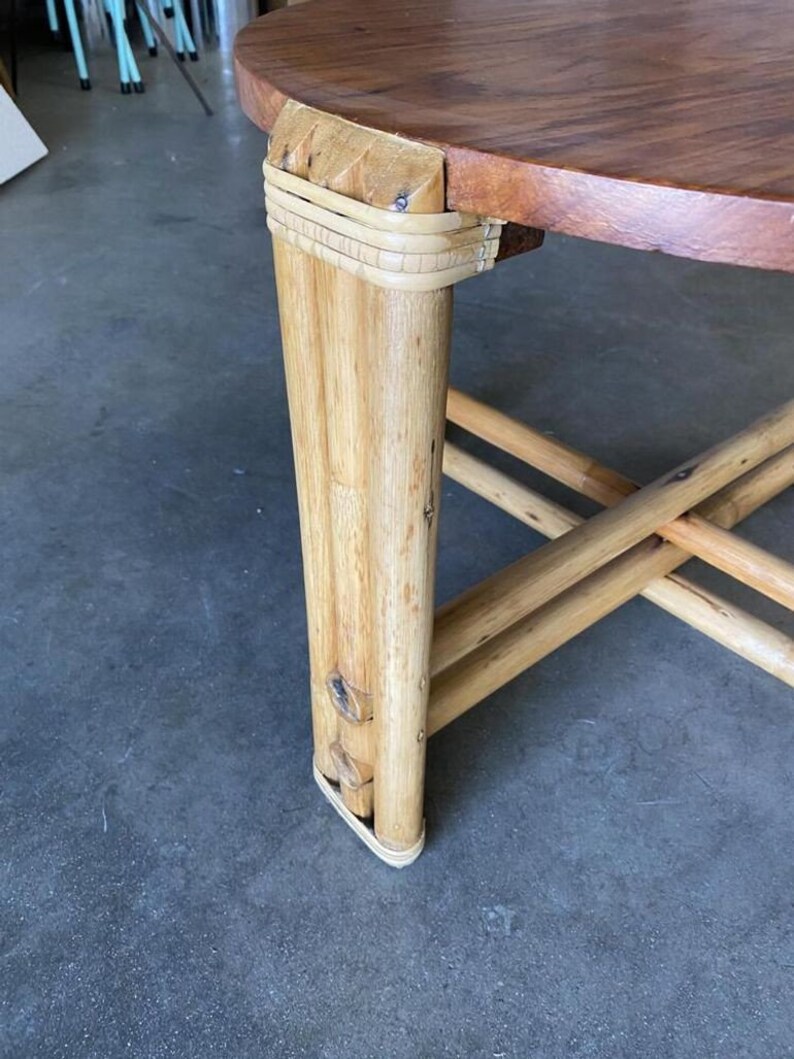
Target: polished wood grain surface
column 659, row 125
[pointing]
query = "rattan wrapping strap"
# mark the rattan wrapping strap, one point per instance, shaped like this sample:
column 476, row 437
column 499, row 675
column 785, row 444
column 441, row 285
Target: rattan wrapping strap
column 403, row 251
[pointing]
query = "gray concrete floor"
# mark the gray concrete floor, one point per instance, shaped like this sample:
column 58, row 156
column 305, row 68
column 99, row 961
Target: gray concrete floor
column 609, row 862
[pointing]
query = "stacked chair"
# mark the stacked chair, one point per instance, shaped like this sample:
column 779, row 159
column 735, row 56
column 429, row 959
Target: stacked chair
column 130, row 79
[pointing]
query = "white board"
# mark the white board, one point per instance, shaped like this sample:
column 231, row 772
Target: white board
column 19, row 144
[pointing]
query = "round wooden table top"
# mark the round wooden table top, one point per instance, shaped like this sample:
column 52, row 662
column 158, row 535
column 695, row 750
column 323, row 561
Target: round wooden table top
column 657, row 124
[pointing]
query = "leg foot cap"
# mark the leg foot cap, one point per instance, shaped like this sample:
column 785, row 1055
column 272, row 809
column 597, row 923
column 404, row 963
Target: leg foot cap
column 393, row 857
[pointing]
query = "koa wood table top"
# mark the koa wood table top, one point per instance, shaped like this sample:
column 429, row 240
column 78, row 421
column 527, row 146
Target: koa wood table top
column 657, row 125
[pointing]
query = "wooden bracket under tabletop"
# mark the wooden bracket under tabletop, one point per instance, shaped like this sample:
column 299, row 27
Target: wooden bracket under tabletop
column 366, row 256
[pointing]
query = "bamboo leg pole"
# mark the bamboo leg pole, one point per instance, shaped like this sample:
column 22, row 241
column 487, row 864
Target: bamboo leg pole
column 299, row 312
column 730, row 626
column 522, row 588
column 498, row 661
column 407, row 438
column 747, row 563
column 347, row 381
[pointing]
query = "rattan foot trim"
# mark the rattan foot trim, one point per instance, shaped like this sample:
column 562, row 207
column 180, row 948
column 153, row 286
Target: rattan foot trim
column 393, row 857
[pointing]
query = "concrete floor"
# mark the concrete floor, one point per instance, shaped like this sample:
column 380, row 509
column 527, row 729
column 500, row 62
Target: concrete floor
column 609, row 862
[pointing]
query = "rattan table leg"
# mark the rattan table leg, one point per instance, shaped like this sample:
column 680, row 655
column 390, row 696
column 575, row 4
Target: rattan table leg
column 365, row 256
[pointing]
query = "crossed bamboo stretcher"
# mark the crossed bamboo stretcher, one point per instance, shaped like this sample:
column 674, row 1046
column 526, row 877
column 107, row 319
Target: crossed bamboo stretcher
column 534, row 606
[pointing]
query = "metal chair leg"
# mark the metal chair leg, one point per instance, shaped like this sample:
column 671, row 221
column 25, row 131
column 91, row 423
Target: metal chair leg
column 77, row 44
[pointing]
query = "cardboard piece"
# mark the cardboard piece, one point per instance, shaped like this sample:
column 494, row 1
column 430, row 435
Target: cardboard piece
column 20, row 147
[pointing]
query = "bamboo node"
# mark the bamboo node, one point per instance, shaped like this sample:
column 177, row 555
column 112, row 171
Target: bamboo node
column 387, row 247
column 682, row 475
column 355, row 774
column 351, row 703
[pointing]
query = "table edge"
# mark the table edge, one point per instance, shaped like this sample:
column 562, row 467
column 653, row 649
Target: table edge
column 701, row 225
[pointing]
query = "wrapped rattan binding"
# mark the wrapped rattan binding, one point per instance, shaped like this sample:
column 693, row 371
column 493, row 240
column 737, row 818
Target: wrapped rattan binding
column 403, row 251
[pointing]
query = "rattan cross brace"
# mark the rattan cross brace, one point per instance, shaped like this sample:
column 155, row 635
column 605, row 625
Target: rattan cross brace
column 366, row 253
